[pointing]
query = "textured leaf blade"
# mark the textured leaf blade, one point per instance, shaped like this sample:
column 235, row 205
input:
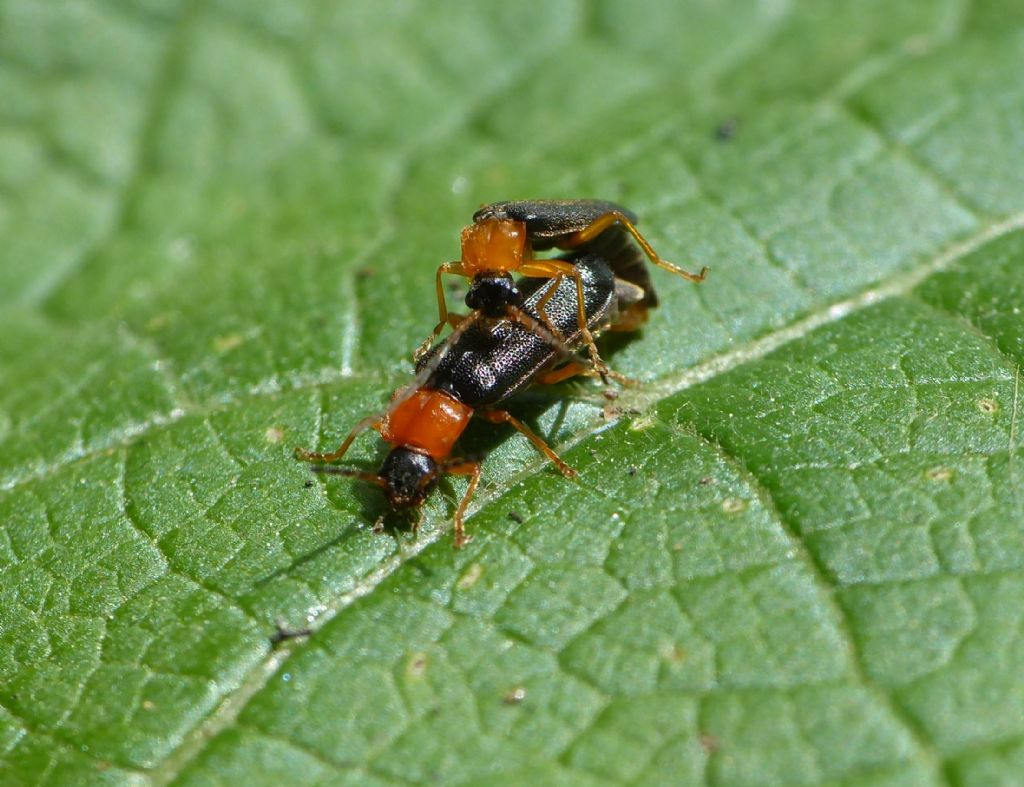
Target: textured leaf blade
column 798, row 561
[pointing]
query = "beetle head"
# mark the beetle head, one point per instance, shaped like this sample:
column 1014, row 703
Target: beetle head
column 492, row 295
column 408, row 477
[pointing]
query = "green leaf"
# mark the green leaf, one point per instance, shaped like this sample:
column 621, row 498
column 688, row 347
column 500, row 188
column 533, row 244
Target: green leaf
column 796, row 551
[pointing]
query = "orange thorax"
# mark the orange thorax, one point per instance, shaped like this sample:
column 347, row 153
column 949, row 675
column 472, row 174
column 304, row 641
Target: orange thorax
column 493, row 246
column 428, row 420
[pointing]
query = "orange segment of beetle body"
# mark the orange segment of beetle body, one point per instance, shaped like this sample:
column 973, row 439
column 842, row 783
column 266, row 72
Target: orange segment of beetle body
column 493, row 246
column 428, row 420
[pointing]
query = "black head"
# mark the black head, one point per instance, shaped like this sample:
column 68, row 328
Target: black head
column 493, row 294
column 409, row 477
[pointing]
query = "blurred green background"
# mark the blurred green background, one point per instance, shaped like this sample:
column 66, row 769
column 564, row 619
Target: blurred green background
column 795, row 552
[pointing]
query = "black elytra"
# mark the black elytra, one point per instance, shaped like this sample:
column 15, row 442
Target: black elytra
column 490, row 362
column 551, row 222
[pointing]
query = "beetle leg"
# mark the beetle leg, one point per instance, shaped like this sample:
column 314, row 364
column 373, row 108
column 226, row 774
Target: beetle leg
column 542, row 329
column 588, row 337
column 557, row 269
column 570, row 370
column 505, row 417
column 556, row 282
column 370, row 422
column 444, row 318
column 472, row 469
column 584, row 366
column 603, row 222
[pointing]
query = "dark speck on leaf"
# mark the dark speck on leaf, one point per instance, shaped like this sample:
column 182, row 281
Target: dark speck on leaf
column 283, row 633
column 309, row 484
column 632, row 470
column 726, row 130
column 516, row 517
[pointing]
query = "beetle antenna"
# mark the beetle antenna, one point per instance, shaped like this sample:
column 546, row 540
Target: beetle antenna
column 431, row 366
column 350, row 472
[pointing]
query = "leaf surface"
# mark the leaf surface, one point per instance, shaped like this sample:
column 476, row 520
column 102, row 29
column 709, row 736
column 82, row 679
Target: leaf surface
column 795, row 552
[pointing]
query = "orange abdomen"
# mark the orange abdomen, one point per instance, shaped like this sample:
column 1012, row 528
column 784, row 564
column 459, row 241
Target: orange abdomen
column 428, row 420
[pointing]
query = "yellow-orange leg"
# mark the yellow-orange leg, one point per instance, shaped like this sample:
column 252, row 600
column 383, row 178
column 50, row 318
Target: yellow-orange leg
column 504, row 417
column 444, row 318
column 552, row 337
column 472, row 469
column 557, row 270
column 370, row 422
column 603, row 222
column 570, row 370
column 579, row 369
column 515, row 314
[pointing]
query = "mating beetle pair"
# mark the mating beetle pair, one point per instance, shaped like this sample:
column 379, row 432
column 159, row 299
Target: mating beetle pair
column 517, row 333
